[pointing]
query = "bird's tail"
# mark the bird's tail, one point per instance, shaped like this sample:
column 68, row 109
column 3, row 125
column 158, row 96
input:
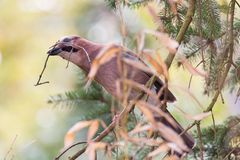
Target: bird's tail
column 177, row 128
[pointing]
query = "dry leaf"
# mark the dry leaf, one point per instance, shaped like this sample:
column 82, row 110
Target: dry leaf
column 140, row 128
column 91, row 151
column 171, row 136
column 136, row 85
column 173, row 5
column 154, row 64
column 138, row 65
column 192, row 69
column 103, row 57
column 92, row 130
column 141, row 141
column 158, row 111
column 164, row 66
column 164, row 38
column 148, row 114
column 190, row 93
column 140, row 42
column 69, row 137
column 156, row 18
column 197, row 117
column 172, row 157
column 162, row 148
column 93, row 147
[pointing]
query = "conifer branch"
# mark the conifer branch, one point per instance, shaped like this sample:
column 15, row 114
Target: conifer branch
column 227, row 69
column 183, row 29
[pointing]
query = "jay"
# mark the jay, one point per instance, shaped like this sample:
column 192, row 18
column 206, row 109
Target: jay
column 82, row 52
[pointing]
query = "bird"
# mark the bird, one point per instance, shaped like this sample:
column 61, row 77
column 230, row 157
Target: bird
column 83, row 52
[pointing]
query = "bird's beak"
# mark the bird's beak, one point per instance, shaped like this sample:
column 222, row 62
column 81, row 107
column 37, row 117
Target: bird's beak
column 54, row 51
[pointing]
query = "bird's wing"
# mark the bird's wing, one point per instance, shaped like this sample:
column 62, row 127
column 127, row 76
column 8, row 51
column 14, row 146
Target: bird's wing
column 158, row 84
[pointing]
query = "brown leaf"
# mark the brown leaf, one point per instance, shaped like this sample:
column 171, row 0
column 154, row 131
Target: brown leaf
column 163, row 65
column 189, row 93
column 93, row 147
column 171, row 136
column 158, row 111
column 154, row 64
column 162, row 148
column 148, row 114
column 138, row 65
column 192, row 69
column 140, row 128
column 69, row 137
column 170, row 44
column 104, row 56
column 197, row 117
column 92, row 129
column 141, row 87
column 173, row 6
column 141, row 141
column 172, row 157
column 156, row 17
column 91, row 151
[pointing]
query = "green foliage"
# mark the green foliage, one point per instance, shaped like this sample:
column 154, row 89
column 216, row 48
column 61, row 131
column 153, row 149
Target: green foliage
column 131, row 3
column 90, row 103
column 216, row 142
column 209, row 43
column 235, row 76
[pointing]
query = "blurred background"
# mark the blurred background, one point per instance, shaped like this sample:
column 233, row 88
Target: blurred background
column 27, row 29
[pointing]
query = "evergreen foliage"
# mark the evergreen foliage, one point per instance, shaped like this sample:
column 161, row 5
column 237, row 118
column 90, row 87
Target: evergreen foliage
column 219, row 142
column 91, row 103
column 133, row 3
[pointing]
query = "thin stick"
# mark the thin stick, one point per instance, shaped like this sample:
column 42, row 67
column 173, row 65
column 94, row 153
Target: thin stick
column 190, row 81
column 214, row 125
column 64, row 151
column 183, row 29
column 200, row 141
column 11, row 147
column 40, row 76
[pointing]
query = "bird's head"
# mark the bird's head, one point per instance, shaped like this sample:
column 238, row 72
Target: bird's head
column 64, row 46
column 76, row 50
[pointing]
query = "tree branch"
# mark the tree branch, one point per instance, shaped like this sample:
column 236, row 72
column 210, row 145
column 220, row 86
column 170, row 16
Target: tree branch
column 183, row 29
column 200, row 140
column 227, row 69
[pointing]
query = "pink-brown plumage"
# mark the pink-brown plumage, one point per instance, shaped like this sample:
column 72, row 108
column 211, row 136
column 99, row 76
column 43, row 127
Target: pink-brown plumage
column 83, row 53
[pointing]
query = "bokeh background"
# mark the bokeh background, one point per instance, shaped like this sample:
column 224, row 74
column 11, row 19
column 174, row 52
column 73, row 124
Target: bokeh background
column 27, row 29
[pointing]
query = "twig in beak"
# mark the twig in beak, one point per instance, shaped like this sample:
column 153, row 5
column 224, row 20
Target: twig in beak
column 69, row 58
column 40, row 76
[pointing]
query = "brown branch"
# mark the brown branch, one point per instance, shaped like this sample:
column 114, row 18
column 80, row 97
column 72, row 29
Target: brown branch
column 11, row 148
column 40, row 76
column 238, row 4
column 189, row 84
column 183, row 29
column 200, row 140
column 214, row 125
column 64, row 151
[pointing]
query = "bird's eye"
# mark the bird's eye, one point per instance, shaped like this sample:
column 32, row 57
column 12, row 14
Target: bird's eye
column 69, row 49
column 66, row 39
